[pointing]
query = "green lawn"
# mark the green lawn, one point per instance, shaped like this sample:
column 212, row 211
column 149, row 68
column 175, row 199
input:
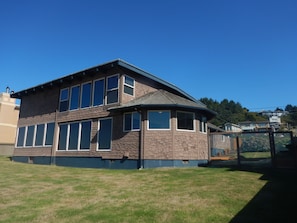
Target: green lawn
column 37, row 193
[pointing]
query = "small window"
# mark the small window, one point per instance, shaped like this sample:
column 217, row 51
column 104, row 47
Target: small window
column 112, row 89
column 30, row 135
column 64, row 100
column 86, row 95
column 159, row 119
column 21, row 136
column 49, row 138
column 131, row 121
column 129, row 85
column 74, row 98
column 39, row 135
column 185, row 120
column 98, row 93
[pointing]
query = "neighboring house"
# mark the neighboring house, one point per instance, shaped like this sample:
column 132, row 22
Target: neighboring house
column 9, row 114
column 231, row 127
column 113, row 115
column 254, row 126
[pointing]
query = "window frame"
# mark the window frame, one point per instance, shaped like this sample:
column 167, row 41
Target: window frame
column 77, row 104
column 112, row 89
column 193, row 121
column 128, row 85
column 43, row 136
column 158, row 129
column 103, row 92
column 90, row 95
column 24, row 136
column 64, row 100
column 33, row 136
column 98, row 135
column 68, row 128
column 131, row 122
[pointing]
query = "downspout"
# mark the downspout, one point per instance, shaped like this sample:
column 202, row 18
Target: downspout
column 141, row 143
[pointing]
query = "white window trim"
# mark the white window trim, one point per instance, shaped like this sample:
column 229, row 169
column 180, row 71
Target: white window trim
column 113, row 89
column 17, row 137
column 78, row 138
column 128, row 85
column 93, row 92
column 33, row 140
column 203, row 123
column 98, row 128
column 132, row 130
column 70, row 99
column 81, row 95
column 186, row 130
column 148, row 122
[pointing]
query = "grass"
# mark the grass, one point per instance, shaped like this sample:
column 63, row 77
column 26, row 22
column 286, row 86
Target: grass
column 37, row 193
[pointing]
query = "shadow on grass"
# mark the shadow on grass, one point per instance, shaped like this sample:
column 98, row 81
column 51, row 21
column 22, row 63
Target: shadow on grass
column 275, row 202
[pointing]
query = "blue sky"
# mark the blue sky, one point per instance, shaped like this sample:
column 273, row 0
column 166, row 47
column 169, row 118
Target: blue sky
column 240, row 50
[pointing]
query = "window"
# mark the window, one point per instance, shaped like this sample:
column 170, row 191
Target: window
column 131, row 121
column 159, row 119
column 49, row 138
column 202, row 124
column 63, row 137
column 185, row 120
column 64, row 100
column 30, row 135
column 86, row 95
column 85, row 135
column 98, row 98
column 104, row 134
column 75, row 136
column 129, row 85
column 21, row 136
column 112, row 89
column 39, row 135
column 74, row 98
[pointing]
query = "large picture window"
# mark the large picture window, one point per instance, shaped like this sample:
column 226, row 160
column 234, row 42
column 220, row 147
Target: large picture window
column 49, row 138
column 64, row 100
column 112, row 89
column 98, row 98
column 131, row 121
column 75, row 136
column 30, row 135
column 185, row 120
column 159, row 120
column 129, row 85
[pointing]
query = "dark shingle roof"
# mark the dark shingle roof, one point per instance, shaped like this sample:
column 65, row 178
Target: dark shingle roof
column 163, row 99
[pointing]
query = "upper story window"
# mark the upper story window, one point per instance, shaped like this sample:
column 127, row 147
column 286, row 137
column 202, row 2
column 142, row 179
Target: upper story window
column 98, row 92
column 112, row 90
column 74, row 98
column 185, row 120
column 131, row 121
column 128, row 85
column 64, row 99
column 159, row 120
column 86, row 95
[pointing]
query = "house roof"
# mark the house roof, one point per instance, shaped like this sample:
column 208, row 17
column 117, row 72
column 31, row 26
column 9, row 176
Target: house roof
column 162, row 98
column 102, row 67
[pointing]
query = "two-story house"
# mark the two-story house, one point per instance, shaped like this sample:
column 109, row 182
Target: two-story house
column 113, row 115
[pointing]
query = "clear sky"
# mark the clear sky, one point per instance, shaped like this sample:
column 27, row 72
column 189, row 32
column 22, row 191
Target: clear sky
column 240, row 50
